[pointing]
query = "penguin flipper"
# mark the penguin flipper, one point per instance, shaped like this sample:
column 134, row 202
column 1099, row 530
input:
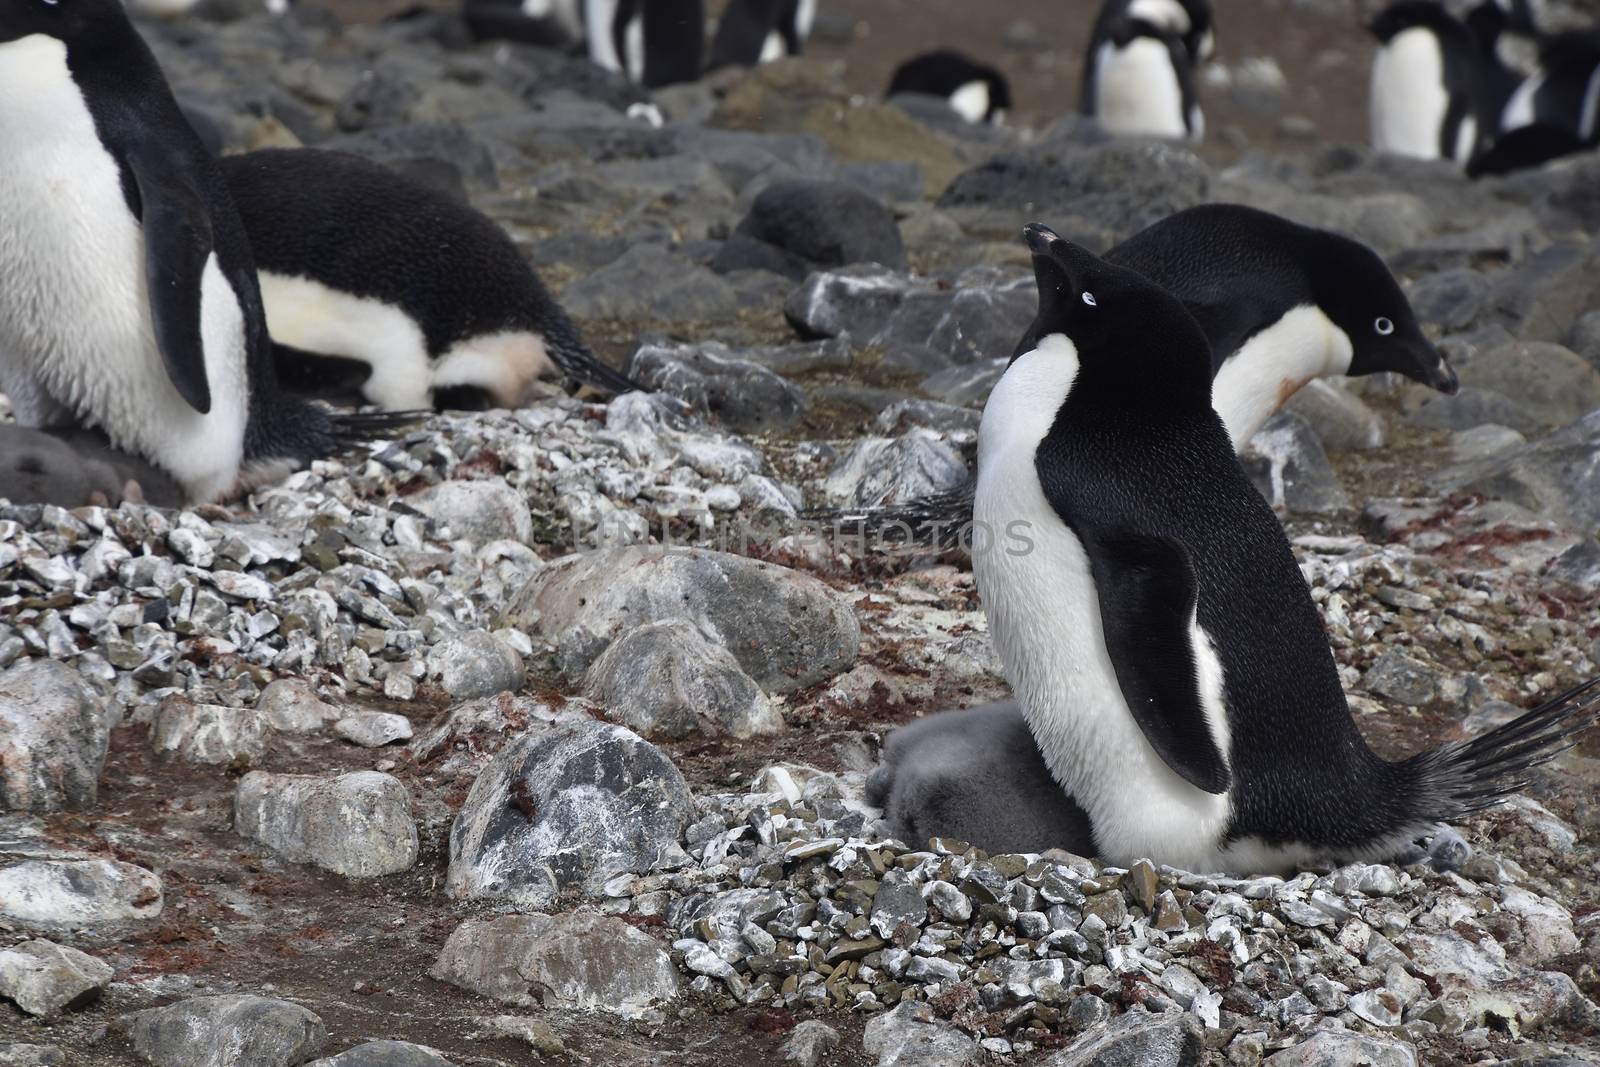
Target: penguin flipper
column 1148, row 593
column 177, row 246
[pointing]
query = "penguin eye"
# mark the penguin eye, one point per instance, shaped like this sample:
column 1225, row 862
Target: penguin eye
column 1384, row 326
column 1088, row 298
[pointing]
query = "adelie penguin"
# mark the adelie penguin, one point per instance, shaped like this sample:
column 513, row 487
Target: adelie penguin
column 975, row 91
column 653, row 42
column 1158, row 634
column 1280, row 304
column 375, row 282
column 1433, row 86
column 1139, row 70
column 1559, row 104
column 751, row 32
column 128, row 297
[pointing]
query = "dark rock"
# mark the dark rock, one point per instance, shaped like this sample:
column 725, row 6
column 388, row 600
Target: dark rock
column 54, row 735
column 1473, row 407
column 1289, row 467
column 424, row 151
column 651, row 282
column 744, row 395
column 1584, row 338
column 796, row 227
column 1451, row 300
column 1556, row 475
column 856, row 302
column 968, row 385
column 1538, row 299
column 1402, row 679
column 1578, row 568
column 226, row 1032
column 1551, row 383
column 1338, row 418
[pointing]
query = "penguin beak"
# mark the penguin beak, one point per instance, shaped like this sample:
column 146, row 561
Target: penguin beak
column 1443, row 378
column 1040, row 238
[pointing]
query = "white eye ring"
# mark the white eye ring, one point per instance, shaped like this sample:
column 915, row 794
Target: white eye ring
column 1384, row 326
column 1088, row 298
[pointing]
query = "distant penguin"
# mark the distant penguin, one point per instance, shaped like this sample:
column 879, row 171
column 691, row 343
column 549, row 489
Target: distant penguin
column 1564, row 93
column 751, row 32
column 1159, row 635
column 1430, row 95
column 1189, row 21
column 975, row 91
column 549, row 23
column 425, row 301
column 1280, row 304
column 653, row 42
column 1144, row 84
column 128, row 297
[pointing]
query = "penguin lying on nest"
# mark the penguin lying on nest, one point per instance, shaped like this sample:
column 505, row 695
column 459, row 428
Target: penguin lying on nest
column 1162, row 643
column 1280, row 304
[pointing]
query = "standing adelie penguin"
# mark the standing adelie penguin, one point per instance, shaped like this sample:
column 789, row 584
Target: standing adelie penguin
column 1159, row 635
column 975, row 91
column 1564, row 93
column 128, row 297
column 1130, row 57
column 426, row 300
column 1431, row 94
column 653, row 42
column 751, row 32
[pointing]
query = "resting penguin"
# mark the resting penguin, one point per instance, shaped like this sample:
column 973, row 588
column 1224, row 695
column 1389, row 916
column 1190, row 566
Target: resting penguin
column 1431, row 94
column 375, row 281
column 1564, row 93
column 751, row 32
column 1280, row 304
column 975, row 91
column 1146, row 81
column 550, row 23
column 1159, row 635
column 653, row 42
column 128, row 296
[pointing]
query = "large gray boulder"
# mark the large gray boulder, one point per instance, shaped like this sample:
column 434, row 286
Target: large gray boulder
column 1557, row 476
column 227, row 1031
column 358, row 825
column 72, row 893
column 41, row 977
column 53, row 738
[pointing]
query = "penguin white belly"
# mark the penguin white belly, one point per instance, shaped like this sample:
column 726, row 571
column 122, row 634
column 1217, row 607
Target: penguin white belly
column 971, row 101
column 598, row 16
column 1273, row 365
column 773, row 47
column 1408, row 100
column 1589, row 113
column 504, row 365
column 1044, row 618
column 1521, row 110
column 72, row 262
column 805, row 16
column 1137, row 92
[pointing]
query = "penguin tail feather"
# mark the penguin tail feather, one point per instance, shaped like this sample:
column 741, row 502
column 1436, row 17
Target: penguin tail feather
column 576, row 361
column 937, row 520
column 354, row 428
column 1464, row 777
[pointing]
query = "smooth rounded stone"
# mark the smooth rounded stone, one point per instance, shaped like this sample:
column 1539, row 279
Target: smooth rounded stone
column 373, row 729
column 42, row 977
column 788, row 630
column 1402, row 679
column 226, row 1031
column 53, row 738
column 649, row 282
column 1450, row 299
column 1288, row 466
column 18, row 1054
column 664, row 679
column 207, row 733
column 481, row 511
column 910, row 1036
column 855, row 302
column 881, row 470
column 1539, row 297
column 569, row 808
column 1341, row 1048
column 292, row 706
column 795, row 227
column 1584, row 337
column 809, row 1043
column 1555, row 476
column 1481, row 442
column 1473, row 407
column 575, row 961
column 1136, row 1039
column 1553, row 384
column 55, row 893
column 358, row 824
column 1339, row 418
column 475, row 664
column 385, row 1054
column 712, row 378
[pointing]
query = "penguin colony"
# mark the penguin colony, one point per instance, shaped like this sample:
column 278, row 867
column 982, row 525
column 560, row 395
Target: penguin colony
column 1175, row 694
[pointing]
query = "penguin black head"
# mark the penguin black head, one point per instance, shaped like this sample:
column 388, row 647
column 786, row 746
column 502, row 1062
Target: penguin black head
column 1413, row 14
column 65, row 20
column 1132, row 337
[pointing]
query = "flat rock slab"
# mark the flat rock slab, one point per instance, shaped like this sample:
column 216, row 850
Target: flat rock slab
column 580, row 961
column 910, row 1036
column 77, row 892
column 385, row 1054
column 358, row 825
column 1340, row 1049
column 42, row 977
column 229, row 1031
column 53, row 738
column 207, row 733
column 477, row 511
column 567, row 808
column 1137, row 1039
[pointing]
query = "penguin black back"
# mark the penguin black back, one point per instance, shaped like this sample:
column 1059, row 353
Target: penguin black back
column 976, row 90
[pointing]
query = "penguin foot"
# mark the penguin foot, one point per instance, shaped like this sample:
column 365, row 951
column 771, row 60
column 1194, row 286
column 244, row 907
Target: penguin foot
column 976, row 776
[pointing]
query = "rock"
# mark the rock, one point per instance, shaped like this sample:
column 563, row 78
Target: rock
column 226, row 1031
column 291, row 705
column 1290, row 468
column 1341, row 1048
column 42, row 977
column 480, row 512
column 1450, row 299
column 1472, row 407
column 880, row 470
column 910, row 1036
column 576, row 961
column 1136, row 1039
column 568, row 808
column 476, row 664
column 795, row 227
column 77, row 892
column 53, row 738
column 745, row 396
column 907, row 415
column 1578, row 568
column 1340, row 420
column 385, row 1054
column 358, row 824
column 1555, row 476
column 373, row 729
column 856, row 302
column 207, row 733
column 1553, row 384
column 787, row 630
column 1484, row 441
column 809, row 1043
column 16, row 1054
column 1378, row 1007
column 1402, row 679
column 665, row 679
column 1584, row 338
column 649, row 282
